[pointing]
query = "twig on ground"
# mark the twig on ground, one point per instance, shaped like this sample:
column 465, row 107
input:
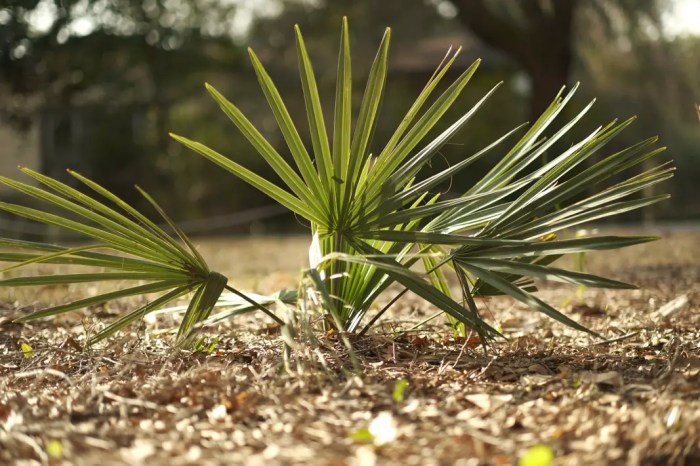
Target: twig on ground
column 53, row 372
column 461, row 352
column 139, row 403
column 615, row 340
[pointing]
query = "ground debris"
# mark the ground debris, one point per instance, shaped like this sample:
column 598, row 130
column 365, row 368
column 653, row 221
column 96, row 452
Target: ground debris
column 631, row 399
column 672, row 307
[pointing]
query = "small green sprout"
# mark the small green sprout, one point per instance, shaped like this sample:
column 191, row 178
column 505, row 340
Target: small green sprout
column 27, row 350
column 399, row 390
column 205, row 345
column 54, row 448
column 538, row 455
column 381, row 431
column 362, row 436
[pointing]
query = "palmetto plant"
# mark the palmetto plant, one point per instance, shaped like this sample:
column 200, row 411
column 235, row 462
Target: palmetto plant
column 372, row 217
column 127, row 246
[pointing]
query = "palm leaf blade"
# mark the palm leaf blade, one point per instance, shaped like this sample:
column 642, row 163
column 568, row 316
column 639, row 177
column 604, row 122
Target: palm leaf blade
column 105, row 297
column 508, row 288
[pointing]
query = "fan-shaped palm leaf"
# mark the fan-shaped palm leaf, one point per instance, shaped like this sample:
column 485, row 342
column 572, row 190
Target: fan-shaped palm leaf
column 127, row 247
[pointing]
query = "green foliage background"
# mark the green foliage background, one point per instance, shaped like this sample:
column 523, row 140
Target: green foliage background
column 149, row 59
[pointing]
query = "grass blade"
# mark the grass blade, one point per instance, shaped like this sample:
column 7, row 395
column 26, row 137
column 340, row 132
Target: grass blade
column 128, row 227
column 43, row 280
column 202, row 269
column 140, row 218
column 200, row 307
column 371, row 102
column 546, row 248
column 47, row 257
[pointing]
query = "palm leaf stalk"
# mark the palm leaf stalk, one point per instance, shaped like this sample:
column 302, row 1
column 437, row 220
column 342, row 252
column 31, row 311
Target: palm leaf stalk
column 372, row 218
column 127, row 246
column 230, row 305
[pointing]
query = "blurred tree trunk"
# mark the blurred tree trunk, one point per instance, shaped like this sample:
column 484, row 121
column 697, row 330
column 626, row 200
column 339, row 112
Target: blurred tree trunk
column 537, row 34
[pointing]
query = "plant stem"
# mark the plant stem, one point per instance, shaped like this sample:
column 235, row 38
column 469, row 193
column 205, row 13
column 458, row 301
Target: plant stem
column 366, row 328
column 381, row 312
column 255, row 304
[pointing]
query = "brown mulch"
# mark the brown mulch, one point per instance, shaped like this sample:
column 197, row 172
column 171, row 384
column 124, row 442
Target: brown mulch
column 632, row 399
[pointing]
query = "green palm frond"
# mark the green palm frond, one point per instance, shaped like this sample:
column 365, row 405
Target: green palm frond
column 127, row 247
column 369, row 214
column 342, row 190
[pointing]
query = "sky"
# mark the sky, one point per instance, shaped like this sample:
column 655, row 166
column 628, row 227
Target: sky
column 685, row 18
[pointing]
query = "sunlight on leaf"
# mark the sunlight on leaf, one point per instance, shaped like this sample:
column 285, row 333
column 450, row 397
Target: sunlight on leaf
column 538, row 455
column 206, row 345
column 399, row 390
column 362, row 436
column 381, row 431
column 27, row 350
column 54, row 448
column 123, row 244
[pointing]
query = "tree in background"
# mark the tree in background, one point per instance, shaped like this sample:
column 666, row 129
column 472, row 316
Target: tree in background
column 657, row 80
column 616, row 47
column 538, row 35
column 156, row 54
column 119, row 66
column 541, row 35
column 55, row 51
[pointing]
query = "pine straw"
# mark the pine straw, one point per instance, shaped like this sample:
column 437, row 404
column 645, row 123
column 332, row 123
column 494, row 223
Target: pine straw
column 630, row 400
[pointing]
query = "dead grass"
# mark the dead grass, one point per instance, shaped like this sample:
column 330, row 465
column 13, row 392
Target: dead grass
column 631, row 400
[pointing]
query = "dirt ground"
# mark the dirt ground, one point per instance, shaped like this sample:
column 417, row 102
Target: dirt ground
column 420, row 397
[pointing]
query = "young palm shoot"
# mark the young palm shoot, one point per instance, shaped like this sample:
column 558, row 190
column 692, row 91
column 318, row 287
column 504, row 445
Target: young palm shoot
column 126, row 246
column 343, row 190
